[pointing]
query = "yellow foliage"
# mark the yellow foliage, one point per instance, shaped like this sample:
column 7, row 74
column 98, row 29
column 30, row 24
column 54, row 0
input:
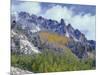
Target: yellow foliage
column 53, row 38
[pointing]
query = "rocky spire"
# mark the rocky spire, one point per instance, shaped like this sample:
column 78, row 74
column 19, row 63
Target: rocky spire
column 62, row 22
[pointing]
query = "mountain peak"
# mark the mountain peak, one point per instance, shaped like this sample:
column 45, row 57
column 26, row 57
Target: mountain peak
column 62, row 22
column 23, row 15
column 69, row 25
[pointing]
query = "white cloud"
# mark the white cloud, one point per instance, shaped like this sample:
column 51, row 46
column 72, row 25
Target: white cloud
column 85, row 23
column 57, row 12
column 82, row 22
column 30, row 7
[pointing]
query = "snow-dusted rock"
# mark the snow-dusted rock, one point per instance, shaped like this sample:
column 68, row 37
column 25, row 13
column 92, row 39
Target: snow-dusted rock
column 18, row 71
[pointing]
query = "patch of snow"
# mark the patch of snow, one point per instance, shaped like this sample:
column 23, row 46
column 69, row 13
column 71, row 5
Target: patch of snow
column 67, row 34
column 13, row 33
column 35, row 29
column 75, row 39
column 29, row 44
